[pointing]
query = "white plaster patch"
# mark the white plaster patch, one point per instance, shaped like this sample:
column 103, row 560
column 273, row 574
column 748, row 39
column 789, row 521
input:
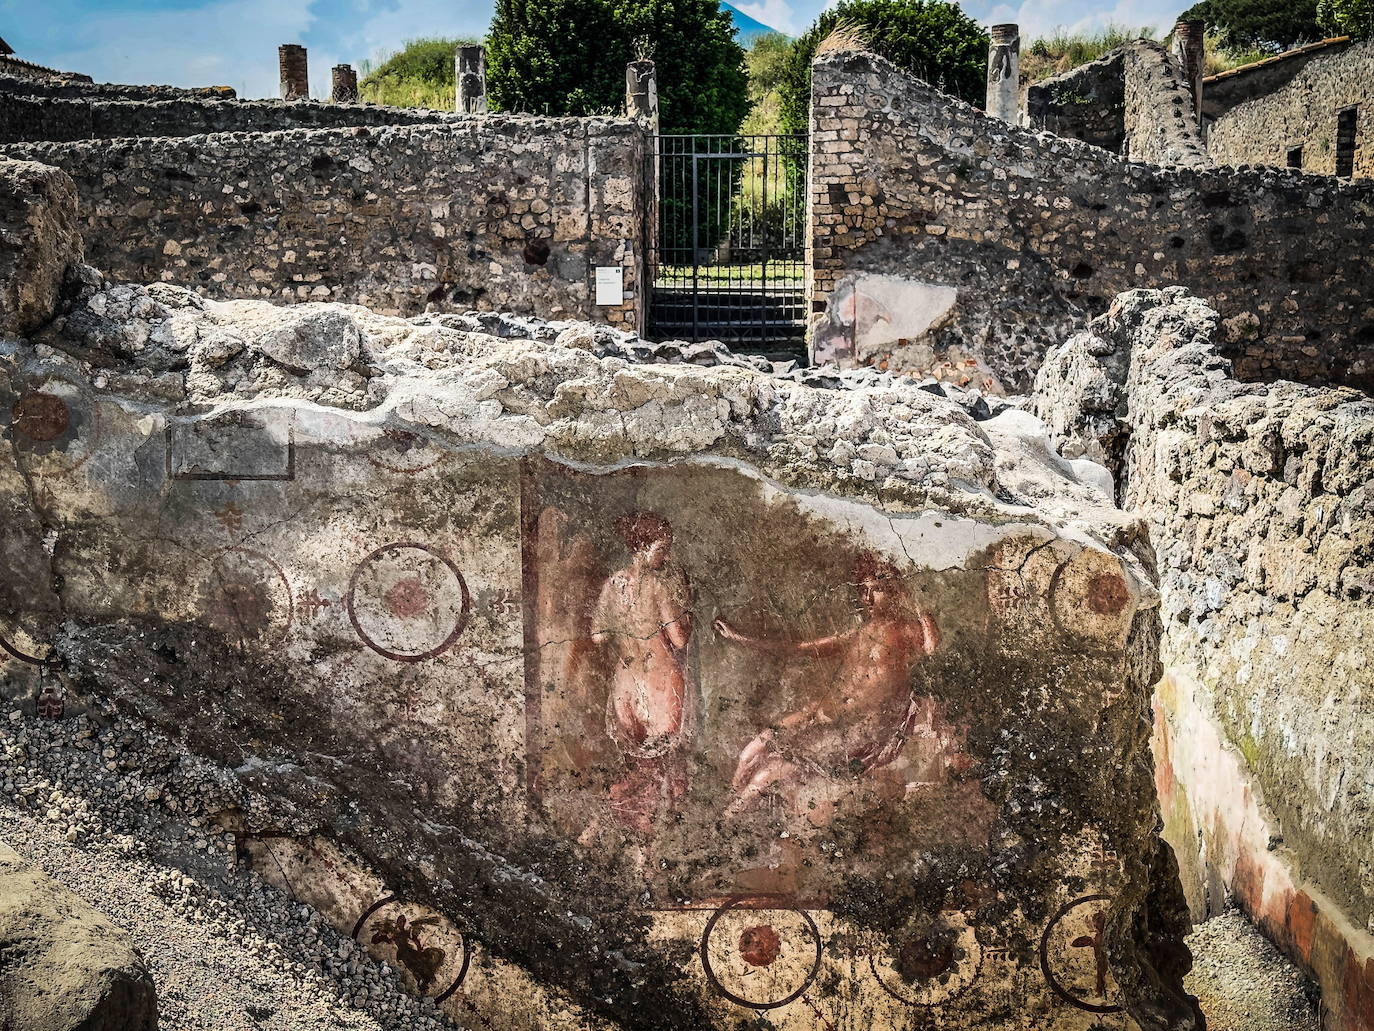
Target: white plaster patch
column 870, row 314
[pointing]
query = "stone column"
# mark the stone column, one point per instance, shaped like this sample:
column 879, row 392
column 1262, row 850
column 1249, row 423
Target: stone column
column 1004, row 74
column 344, row 81
column 470, row 80
column 295, row 77
column 641, row 104
column 641, row 92
column 1188, row 50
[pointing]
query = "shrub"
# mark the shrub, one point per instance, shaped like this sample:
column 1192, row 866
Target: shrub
column 928, row 38
column 418, row 75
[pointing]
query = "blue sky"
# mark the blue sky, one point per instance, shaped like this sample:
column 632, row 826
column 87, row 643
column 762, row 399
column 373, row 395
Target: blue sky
column 234, row 42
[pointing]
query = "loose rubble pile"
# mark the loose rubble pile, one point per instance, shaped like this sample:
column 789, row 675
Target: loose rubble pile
column 128, row 820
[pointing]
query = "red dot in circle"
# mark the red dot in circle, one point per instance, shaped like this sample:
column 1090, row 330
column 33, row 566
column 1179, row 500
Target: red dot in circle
column 407, row 598
column 759, row 945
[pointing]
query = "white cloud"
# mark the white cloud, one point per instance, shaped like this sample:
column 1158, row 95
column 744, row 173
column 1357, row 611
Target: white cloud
column 1042, row 17
column 232, row 42
column 229, row 43
column 392, row 24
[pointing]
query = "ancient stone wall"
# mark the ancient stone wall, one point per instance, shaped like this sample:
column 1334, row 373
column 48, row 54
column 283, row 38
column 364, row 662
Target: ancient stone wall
column 1161, row 124
column 39, row 239
column 1134, row 102
column 1007, row 240
column 1304, row 112
column 17, row 68
column 499, row 212
column 1260, row 498
column 49, row 119
column 1086, row 103
column 81, row 86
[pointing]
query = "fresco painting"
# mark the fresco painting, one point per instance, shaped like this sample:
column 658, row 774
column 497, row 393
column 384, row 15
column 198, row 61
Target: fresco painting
column 726, row 686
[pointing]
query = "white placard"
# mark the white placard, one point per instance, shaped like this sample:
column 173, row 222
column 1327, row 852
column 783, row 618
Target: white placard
column 610, row 284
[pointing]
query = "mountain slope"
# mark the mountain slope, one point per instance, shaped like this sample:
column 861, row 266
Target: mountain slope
column 747, row 29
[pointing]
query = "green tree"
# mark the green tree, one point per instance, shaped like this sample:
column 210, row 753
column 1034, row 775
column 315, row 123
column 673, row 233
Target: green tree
column 766, row 63
column 929, row 38
column 1267, row 25
column 418, row 75
column 1347, row 17
column 568, row 57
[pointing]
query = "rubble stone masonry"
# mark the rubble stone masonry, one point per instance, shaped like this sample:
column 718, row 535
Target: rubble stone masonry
column 1008, row 239
column 509, row 213
column 1259, row 496
column 57, row 120
column 1134, row 101
column 1304, row 112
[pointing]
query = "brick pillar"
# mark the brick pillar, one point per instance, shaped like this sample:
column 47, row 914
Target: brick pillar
column 1004, row 74
column 344, row 81
column 295, row 77
column 1188, row 51
column 470, row 80
column 641, row 92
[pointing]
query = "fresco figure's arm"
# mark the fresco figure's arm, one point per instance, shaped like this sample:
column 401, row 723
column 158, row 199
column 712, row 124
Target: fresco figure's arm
column 821, row 646
column 602, row 631
column 930, row 632
column 675, row 613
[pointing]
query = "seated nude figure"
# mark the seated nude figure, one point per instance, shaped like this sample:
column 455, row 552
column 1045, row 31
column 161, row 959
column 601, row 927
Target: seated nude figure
column 863, row 722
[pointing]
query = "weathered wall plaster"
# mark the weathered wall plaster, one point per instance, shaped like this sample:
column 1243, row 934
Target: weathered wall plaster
column 1037, row 233
column 876, row 319
column 823, row 704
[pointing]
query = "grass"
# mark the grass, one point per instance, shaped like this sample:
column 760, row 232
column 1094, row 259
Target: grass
column 418, row 75
column 1217, row 58
column 1063, row 51
column 780, row 273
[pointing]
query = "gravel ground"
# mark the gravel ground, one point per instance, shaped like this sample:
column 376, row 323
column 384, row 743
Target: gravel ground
column 121, row 818
column 1244, row 983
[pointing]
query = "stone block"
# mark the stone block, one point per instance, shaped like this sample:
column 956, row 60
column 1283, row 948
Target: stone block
column 66, row 966
column 39, row 240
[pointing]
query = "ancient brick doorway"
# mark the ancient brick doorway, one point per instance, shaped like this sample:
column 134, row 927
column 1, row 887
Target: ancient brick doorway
column 729, row 260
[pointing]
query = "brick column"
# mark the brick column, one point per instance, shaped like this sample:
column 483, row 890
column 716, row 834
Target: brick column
column 1188, row 50
column 470, row 80
column 295, row 78
column 344, row 81
column 1004, row 74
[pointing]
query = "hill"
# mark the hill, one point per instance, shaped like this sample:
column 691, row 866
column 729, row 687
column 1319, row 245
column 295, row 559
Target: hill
column 747, row 29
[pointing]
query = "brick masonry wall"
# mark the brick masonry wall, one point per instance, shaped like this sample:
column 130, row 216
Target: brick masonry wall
column 55, row 119
column 499, row 213
column 1302, row 113
column 1030, row 235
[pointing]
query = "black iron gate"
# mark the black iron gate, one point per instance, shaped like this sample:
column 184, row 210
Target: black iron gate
column 729, row 262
